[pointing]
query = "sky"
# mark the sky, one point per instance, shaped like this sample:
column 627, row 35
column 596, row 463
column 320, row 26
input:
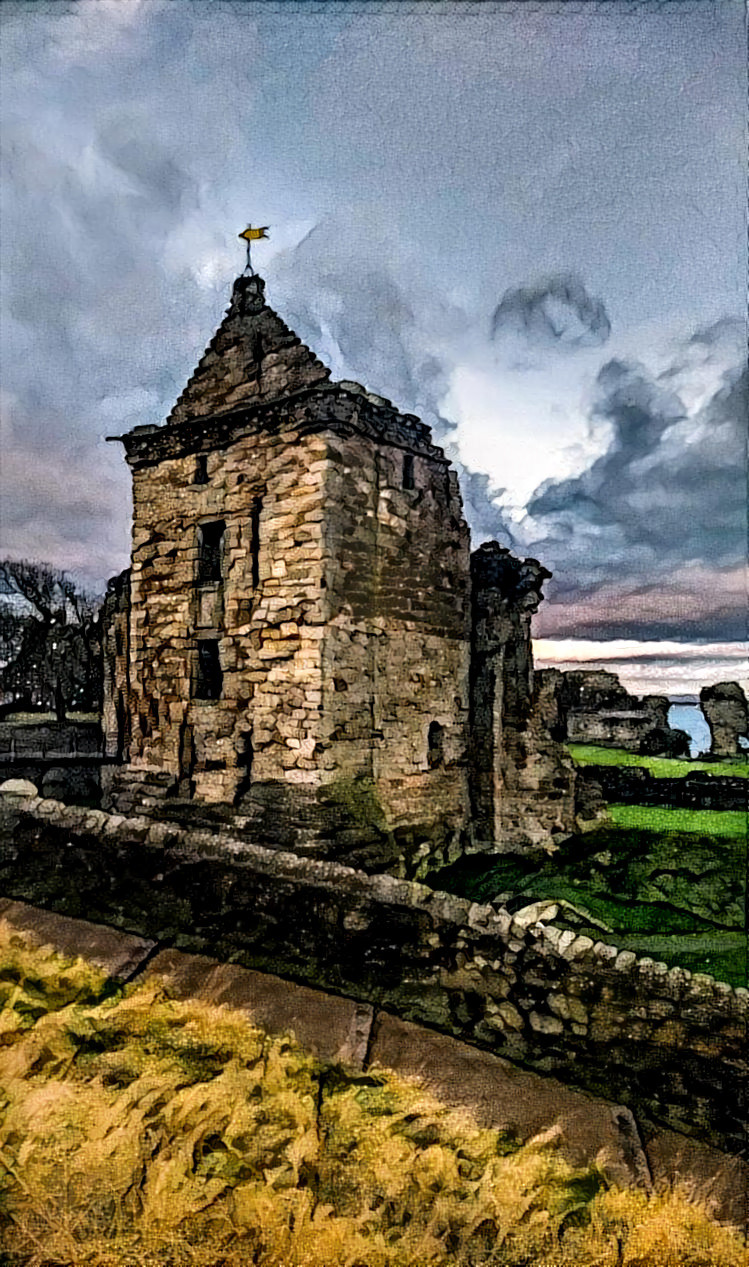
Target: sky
column 526, row 223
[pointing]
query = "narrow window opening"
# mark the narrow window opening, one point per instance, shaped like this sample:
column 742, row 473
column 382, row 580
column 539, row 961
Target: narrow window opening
column 245, row 754
column 210, row 677
column 255, row 538
column 201, row 469
column 210, row 552
column 435, row 745
column 257, row 348
column 408, row 471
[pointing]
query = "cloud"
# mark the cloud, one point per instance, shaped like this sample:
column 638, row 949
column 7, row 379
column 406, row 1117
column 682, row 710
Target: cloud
column 691, row 602
column 653, row 668
column 663, row 511
column 554, row 313
column 382, row 324
column 139, row 136
column 105, row 306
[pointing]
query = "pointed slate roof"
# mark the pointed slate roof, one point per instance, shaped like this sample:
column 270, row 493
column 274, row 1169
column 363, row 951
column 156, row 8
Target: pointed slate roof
column 253, row 357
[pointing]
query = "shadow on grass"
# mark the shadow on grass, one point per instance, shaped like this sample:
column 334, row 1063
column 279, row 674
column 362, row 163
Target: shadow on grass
column 669, row 884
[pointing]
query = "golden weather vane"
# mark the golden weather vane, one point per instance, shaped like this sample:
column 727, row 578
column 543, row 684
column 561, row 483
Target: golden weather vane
column 251, row 235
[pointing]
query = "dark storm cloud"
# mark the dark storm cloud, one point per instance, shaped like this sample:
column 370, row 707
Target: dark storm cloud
column 138, row 138
column 342, row 300
column 480, row 507
column 102, row 317
column 664, row 509
column 556, row 312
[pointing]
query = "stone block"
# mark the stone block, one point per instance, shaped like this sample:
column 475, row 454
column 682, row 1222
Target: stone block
column 503, row 1096
column 332, row 1028
column 18, row 787
column 118, row 954
column 717, row 1179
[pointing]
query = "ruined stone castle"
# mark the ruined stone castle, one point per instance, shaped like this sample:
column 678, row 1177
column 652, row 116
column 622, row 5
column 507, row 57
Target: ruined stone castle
column 304, row 633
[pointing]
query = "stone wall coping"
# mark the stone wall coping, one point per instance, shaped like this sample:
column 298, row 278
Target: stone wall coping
column 477, row 922
column 206, row 433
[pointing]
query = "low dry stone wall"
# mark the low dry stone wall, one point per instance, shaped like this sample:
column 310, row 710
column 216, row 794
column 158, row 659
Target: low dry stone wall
column 49, row 741
column 631, row 785
column 670, row 1045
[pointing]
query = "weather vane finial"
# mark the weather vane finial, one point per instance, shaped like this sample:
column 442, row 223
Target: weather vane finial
column 251, row 235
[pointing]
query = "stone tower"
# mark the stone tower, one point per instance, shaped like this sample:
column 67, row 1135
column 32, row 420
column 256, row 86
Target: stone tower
column 299, row 630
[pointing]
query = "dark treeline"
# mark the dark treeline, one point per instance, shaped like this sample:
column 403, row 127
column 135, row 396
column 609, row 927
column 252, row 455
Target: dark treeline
column 50, row 641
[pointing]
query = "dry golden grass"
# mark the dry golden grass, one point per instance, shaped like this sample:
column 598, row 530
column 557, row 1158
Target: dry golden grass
column 138, row 1131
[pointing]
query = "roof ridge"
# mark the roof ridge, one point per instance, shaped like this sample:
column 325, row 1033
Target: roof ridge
column 253, row 355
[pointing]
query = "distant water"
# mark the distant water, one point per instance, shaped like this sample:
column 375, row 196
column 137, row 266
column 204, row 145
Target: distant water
column 690, row 717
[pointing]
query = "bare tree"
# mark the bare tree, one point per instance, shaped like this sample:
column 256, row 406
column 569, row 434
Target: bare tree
column 49, row 639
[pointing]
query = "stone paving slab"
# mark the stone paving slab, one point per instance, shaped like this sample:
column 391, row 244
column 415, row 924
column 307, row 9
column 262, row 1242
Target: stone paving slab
column 118, row 954
column 716, row 1178
column 501, row 1095
column 330, row 1027
column 504, row 1096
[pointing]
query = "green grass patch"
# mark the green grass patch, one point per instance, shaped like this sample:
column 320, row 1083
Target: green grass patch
column 652, row 872
column 720, row 824
column 46, row 719
column 659, row 767
column 723, row 955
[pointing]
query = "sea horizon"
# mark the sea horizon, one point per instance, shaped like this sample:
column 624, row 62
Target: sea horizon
column 676, row 669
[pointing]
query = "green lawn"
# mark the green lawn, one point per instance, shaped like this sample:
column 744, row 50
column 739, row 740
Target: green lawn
column 723, row 955
column 666, row 883
column 661, row 818
column 659, row 767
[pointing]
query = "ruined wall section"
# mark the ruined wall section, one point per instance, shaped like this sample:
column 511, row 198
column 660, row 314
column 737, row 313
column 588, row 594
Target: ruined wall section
column 595, row 708
column 523, row 782
column 115, row 640
column 727, row 714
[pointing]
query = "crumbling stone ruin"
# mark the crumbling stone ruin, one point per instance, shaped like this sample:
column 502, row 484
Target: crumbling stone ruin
column 594, row 707
column 523, row 782
column 308, row 639
column 727, row 715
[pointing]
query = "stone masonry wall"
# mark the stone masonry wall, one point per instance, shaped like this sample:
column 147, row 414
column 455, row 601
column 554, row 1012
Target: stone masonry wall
column 397, row 647
column 351, row 644
column 670, row 1045
column 595, row 708
column 270, row 635
column 727, row 714
column 523, row 782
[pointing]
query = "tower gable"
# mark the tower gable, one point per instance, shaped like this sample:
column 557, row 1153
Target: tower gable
column 252, row 358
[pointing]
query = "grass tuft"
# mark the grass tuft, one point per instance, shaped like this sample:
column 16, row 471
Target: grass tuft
column 141, row 1131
